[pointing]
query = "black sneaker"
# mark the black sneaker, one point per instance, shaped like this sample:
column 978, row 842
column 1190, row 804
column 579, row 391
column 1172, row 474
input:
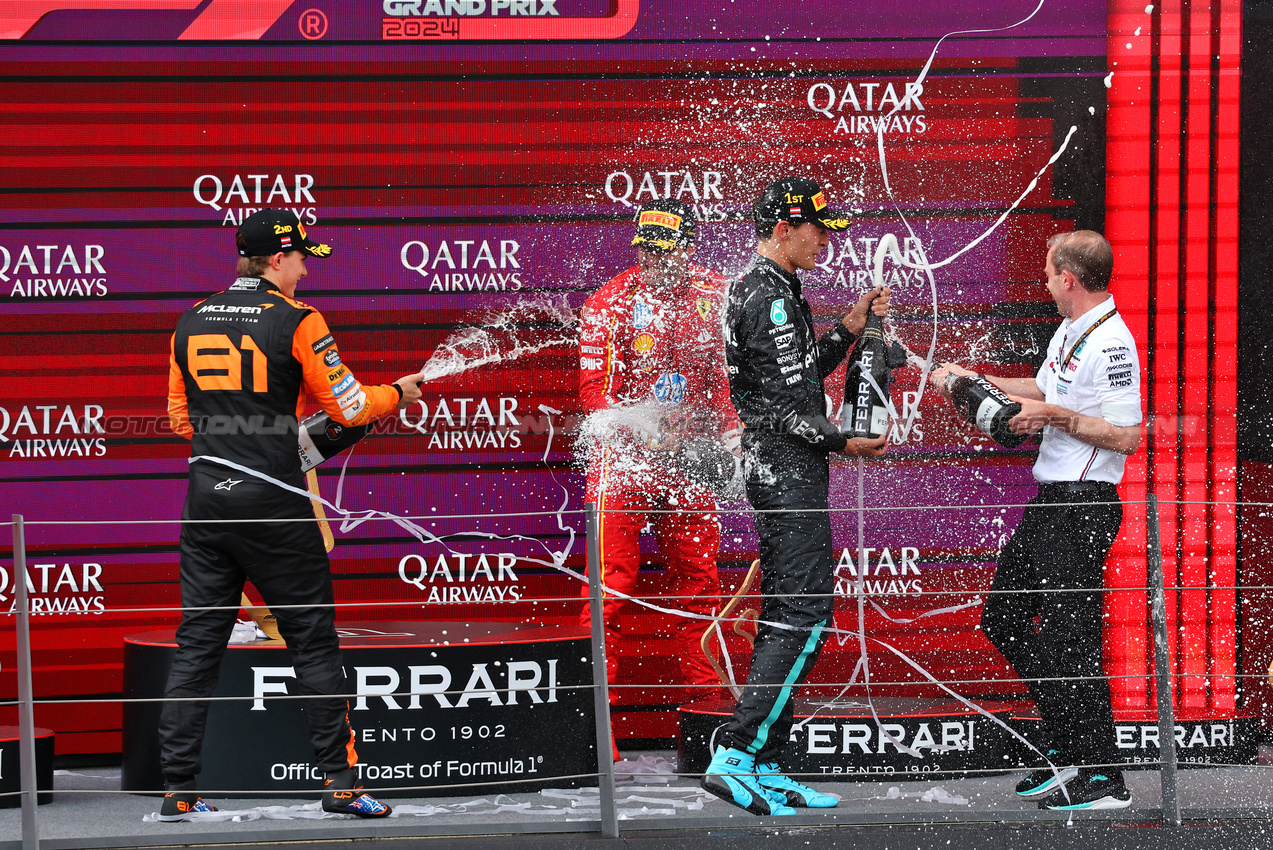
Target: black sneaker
column 1090, row 790
column 343, row 798
column 181, row 803
column 1045, row 780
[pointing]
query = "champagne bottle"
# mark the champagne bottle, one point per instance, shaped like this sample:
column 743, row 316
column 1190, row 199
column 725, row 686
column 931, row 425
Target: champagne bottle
column 865, row 409
column 321, row 439
column 985, row 406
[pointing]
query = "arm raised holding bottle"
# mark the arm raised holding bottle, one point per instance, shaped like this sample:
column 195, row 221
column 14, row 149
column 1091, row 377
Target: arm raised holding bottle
column 1032, row 412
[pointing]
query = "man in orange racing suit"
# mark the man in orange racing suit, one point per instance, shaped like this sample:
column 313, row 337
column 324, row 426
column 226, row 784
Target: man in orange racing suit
column 241, row 363
column 652, row 376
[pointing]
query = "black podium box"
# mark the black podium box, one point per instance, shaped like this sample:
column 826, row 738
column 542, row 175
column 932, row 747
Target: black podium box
column 10, row 767
column 854, row 739
column 461, row 708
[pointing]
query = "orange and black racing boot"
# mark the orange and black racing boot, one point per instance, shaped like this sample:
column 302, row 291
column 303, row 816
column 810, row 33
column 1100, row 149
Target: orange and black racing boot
column 343, row 798
column 181, row 800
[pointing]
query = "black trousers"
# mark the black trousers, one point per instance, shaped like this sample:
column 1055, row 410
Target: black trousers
column 289, row 566
column 797, row 579
column 1057, row 633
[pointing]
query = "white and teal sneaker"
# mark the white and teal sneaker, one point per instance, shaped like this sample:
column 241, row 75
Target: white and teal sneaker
column 772, row 778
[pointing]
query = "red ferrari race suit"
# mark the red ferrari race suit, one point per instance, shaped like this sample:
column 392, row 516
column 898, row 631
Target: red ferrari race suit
column 660, row 350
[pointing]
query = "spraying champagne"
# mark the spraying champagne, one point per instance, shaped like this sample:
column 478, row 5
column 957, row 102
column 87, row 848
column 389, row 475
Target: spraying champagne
column 985, row 406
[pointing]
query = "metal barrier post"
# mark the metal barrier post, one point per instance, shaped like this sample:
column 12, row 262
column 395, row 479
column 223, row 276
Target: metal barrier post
column 26, row 698
column 1162, row 670
column 601, row 693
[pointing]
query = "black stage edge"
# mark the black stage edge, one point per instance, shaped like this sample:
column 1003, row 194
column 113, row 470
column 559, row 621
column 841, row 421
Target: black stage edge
column 851, row 739
column 439, row 704
column 1192, row 835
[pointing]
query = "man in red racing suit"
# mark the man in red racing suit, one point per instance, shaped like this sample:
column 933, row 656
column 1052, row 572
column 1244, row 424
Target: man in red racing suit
column 652, row 373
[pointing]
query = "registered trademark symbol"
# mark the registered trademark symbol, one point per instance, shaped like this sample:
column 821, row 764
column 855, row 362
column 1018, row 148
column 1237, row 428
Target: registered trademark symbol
column 312, row 24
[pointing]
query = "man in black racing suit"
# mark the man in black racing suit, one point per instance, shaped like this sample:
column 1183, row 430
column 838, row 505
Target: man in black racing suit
column 776, row 369
column 242, row 362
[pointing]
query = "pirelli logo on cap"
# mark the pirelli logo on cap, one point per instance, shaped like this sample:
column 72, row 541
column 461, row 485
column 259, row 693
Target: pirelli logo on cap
column 819, row 201
column 672, row 221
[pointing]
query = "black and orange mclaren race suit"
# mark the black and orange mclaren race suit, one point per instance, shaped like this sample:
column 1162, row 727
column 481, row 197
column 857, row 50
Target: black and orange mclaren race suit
column 241, row 362
column 776, row 369
column 659, row 347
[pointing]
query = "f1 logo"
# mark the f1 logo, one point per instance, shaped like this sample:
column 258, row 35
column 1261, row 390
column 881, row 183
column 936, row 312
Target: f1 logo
column 222, row 20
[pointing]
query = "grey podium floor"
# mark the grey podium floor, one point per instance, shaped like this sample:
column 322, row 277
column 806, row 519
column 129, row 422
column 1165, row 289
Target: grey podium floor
column 1227, row 808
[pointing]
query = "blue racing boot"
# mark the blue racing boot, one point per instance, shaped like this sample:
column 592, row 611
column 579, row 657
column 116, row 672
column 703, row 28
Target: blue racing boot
column 731, row 776
column 773, row 779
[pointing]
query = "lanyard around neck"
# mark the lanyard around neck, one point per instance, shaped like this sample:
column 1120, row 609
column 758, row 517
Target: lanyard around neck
column 1074, row 349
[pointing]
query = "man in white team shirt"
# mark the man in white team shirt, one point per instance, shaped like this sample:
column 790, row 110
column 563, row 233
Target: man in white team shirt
column 1086, row 399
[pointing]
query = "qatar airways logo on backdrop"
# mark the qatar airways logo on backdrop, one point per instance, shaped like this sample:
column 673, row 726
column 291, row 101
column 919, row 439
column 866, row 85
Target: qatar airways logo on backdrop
column 53, row 270
column 878, row 572
column 465, row 265
column 74, row 588
column 50, row 431
column 236, row 196
column 865, row 107
column 700, row 190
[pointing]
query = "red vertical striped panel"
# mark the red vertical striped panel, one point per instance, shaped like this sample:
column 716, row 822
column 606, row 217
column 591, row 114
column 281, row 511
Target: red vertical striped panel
column 1223, row 369
column 1127, row 211
column 1193, row 622
column 1172, row 203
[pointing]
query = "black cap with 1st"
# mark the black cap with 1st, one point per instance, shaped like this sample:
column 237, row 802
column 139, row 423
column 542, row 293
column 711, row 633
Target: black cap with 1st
column 798, row 200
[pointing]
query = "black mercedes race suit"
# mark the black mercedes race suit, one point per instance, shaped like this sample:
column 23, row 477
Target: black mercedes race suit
column 239, row 363
column 776, row 367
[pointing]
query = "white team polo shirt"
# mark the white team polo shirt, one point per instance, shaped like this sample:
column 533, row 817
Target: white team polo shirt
column 1101, row 378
